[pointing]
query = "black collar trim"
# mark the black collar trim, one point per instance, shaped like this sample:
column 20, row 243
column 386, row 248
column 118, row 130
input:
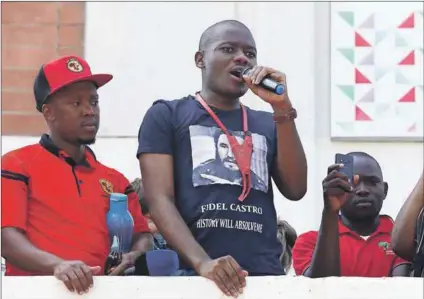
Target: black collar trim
column 48, row 144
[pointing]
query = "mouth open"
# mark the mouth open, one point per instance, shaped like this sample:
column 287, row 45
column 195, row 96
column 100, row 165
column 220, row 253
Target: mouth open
column 236, row 76
column 237, row 73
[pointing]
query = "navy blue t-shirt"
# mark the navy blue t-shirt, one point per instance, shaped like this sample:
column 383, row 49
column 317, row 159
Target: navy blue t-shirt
column 207, row 180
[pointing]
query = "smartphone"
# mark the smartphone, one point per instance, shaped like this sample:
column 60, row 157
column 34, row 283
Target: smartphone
column 347, row 169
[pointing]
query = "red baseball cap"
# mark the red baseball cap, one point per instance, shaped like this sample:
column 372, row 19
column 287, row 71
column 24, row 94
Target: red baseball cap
column 62, row 72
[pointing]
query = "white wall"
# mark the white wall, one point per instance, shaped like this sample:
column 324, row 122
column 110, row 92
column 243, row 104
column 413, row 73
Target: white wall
column 148, row 45
column 200, row 288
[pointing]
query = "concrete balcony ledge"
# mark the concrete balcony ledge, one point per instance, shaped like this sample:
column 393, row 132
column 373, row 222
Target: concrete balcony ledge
column 200, row 288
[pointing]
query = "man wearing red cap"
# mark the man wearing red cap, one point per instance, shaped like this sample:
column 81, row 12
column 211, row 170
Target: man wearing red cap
column 55, row 194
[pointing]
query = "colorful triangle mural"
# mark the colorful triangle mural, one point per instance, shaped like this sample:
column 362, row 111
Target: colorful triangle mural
column 408, row 23
column 360, row 115
column 385, row 59
column 409, row 59
column 348, row 16
column 409, row 97
column 360, row 41
column 360, row 78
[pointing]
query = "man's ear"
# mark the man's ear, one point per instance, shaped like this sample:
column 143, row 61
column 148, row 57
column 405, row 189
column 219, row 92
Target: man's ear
column 386, row 189
column 47, row 112
column 199, row 59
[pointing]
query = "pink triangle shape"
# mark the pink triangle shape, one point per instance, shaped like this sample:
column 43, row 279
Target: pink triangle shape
column 409, row 22
column 360, row 41
column 409, row 97
column 361, row 115
column 412, row 128
column 360, row 78
column 409, row 59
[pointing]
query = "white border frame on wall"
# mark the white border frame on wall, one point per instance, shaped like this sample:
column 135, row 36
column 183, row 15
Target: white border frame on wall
column 377, row 71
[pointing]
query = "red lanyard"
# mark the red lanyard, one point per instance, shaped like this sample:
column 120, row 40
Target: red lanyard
column 242, row 152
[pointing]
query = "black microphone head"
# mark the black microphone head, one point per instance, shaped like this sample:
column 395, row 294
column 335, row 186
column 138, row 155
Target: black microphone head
column 239, row 71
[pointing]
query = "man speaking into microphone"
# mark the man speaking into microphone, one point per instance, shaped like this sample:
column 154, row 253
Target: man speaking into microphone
column 207, row 163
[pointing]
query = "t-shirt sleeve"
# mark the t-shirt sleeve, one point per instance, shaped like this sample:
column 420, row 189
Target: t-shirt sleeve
column 140, row 221
column 303, row 252
column 400, row 261
column 156, row 131
column 14, row 192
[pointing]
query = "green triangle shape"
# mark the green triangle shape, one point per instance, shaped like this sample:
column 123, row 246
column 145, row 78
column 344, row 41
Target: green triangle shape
column 400, row 41
column 349, row 54
column 346, row 126
column 380, row 72
column 348, row 90
column 348, row 16
column 380, row 35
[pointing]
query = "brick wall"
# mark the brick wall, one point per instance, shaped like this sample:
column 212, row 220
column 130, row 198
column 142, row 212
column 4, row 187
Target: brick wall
column 33, row 33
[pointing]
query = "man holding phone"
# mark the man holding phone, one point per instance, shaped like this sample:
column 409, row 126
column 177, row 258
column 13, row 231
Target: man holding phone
column 354, row 239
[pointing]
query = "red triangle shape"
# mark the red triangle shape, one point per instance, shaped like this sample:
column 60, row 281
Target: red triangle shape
column 409, row 97
column 360, row 41
column 409, row 59
column 360, row 78
column 361, row 115
column 409, row 22
column 412, row 128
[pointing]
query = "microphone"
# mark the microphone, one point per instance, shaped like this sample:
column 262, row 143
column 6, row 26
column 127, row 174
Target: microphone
column 267, row 83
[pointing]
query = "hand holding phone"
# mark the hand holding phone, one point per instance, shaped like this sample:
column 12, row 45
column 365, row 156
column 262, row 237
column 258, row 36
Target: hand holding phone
column 337, row 188
column 347, row 168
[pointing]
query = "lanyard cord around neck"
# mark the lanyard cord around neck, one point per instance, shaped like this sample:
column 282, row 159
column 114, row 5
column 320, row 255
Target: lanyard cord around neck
column 242, row 152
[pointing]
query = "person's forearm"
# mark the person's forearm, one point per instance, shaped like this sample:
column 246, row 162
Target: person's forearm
column 141, row 243
column 326, row 258
column 176, row 233
column 19, row 251
column 403, row 234
column 291, row 161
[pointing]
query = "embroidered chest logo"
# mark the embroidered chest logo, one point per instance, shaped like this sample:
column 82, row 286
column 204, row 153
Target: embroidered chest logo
column 386, row 247
column 74, row 66
column 106, row 186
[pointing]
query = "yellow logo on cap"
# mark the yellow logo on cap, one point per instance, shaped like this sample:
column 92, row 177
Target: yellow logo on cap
column 74, row 66
column 106, row 186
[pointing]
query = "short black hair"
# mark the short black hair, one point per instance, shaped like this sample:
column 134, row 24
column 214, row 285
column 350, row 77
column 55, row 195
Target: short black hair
column 366, row 155
column 206, row 36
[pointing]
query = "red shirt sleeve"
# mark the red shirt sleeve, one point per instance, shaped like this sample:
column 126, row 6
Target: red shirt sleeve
column 303, row 251
column 400, row 261
column 14, row 191
column 140, row 221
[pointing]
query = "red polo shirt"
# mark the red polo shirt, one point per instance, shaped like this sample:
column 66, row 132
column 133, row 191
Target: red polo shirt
column 360, row 257
column 60, row 205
